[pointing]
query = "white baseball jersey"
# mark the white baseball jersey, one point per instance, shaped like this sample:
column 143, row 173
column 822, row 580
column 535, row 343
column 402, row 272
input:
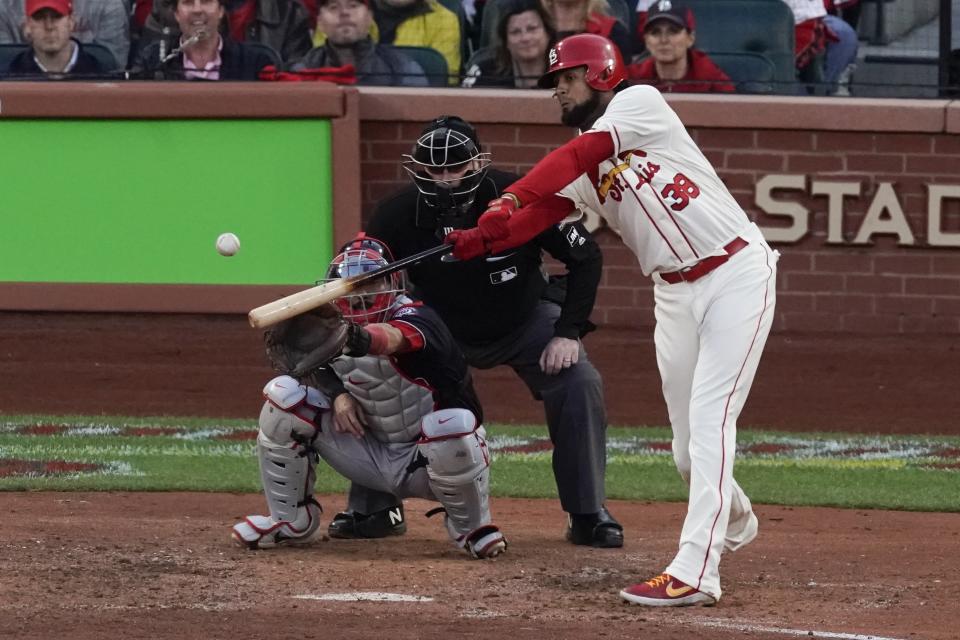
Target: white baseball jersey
column 658, row 191
column 804, row 10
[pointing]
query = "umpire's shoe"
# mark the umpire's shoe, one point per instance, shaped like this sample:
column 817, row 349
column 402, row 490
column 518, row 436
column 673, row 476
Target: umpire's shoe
column 380, row 524
column 598, row 529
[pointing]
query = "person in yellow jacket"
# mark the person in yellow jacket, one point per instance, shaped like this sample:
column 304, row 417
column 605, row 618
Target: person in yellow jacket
column 416, row 23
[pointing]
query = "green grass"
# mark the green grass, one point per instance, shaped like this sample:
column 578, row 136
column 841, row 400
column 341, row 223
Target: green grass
column 842, row 470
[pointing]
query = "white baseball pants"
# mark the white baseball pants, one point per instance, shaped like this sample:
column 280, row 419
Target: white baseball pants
column 709, row 336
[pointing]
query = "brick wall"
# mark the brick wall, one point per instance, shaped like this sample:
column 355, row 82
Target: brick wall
column 881, row 287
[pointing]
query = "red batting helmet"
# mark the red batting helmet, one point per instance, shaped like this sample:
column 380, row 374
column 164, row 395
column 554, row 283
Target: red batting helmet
column 605, row 68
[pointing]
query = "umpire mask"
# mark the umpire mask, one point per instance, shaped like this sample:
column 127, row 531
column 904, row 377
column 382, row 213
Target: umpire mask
column 447, row 166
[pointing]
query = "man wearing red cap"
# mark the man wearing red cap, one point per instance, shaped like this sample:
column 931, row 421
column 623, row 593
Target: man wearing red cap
column 52, row 52
column 102, row 21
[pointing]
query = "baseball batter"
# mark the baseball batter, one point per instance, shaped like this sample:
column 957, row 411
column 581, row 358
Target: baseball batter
column 399, row 415
column 714, row 274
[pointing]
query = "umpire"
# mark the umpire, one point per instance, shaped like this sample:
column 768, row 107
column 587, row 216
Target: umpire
column 504, row 310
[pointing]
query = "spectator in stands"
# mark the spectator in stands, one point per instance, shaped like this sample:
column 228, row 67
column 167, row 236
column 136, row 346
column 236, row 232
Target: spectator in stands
column 473, row 17
column 590, row 16
column 345, row 25
column 151, row 21
column 674, row 64
column 101, row 21
column 642, row 7
column 810, row 41
column 283, row 25
column 519, row 57
column 825, row 46
column 420, row 23
column 52, row 52
column 847, row 10
column 202, row 53
column 842, row 44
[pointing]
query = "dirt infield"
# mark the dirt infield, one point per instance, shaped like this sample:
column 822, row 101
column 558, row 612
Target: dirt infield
column 148, row 566
column 108, row 565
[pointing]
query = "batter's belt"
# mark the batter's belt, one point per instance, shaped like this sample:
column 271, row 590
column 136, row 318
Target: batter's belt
column 706, row 265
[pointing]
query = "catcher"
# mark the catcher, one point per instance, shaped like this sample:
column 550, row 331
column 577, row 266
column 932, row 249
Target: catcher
column 377, row 387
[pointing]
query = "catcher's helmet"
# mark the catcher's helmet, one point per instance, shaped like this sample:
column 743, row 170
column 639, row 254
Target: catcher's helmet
column 605, row 68
column 448, row 145
column 373, row 302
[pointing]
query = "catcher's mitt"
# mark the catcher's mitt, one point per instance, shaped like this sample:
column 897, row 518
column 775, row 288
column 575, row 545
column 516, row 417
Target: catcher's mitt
column 301, row 344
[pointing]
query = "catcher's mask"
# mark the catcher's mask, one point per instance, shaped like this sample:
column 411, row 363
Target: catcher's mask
column 373, row 302
column 447, row 166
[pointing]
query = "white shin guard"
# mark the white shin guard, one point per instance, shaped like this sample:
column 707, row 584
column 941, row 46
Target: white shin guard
column 287, row 472
column 458, row 467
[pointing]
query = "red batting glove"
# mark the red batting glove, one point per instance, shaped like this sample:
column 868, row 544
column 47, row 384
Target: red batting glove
column 467, row 243
column 493, row 222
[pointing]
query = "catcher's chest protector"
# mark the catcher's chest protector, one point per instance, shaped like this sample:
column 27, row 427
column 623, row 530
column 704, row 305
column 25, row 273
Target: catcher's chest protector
column 394, row 405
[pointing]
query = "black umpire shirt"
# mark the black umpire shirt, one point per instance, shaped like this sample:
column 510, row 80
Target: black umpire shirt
column 485, row 299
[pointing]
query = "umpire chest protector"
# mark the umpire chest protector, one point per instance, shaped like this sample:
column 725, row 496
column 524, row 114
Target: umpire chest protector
column 394, row 404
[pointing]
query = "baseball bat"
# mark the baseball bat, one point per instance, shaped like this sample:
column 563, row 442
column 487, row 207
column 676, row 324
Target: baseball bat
column 301, row 301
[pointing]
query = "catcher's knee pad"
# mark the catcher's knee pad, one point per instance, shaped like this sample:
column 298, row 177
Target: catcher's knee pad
column 458, row 465
column 289, row 423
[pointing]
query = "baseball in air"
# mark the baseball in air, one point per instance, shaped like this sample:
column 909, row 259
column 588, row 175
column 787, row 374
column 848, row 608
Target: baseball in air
column 228, row 244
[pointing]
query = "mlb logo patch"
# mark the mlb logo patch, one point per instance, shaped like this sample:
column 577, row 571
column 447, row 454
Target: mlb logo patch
column 499, row 277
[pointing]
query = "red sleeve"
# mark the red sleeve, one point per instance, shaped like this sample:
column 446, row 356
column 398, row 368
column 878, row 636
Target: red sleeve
column 529, row 222
column 412, row 338
column 562, row 166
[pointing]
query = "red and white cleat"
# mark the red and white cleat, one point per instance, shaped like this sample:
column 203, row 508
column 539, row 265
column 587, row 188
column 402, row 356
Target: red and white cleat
column 665, row 591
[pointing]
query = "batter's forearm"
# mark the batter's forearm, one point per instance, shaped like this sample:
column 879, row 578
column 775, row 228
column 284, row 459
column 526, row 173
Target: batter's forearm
column 562, row 166
column 529, row 222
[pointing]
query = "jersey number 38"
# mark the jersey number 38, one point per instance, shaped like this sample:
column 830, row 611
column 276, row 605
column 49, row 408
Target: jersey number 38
column 680, row 192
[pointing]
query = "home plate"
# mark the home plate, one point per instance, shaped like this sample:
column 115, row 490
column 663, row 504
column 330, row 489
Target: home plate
column 370, row 596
